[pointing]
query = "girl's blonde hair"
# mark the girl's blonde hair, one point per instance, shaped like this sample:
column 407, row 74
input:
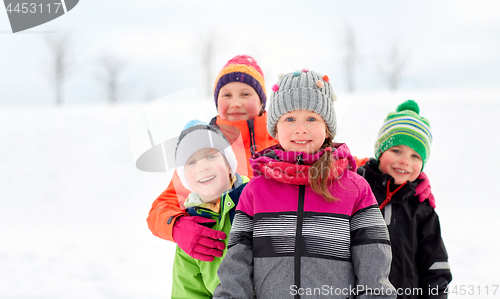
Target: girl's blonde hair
column 319, row 172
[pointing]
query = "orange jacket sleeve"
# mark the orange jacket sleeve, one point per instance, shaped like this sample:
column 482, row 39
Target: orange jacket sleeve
column 166, row 209
column 361, row 162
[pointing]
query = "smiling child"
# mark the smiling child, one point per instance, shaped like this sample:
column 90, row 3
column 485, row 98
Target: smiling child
column 419, row 257
column 206, row 165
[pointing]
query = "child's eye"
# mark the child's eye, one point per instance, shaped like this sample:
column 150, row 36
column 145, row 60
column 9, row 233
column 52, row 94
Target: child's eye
column 289, row 119
column 210, row 157
column 190, row 163
column 311, row 118
column 416, row 157
column 396, row 151
column 245, row 94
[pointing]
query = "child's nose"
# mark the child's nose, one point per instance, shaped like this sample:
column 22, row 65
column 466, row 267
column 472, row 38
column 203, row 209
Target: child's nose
column 300, row 128
column 235, row 104
column 203, row 165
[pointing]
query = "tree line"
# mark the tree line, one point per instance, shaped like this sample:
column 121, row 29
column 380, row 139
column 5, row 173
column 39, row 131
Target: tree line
column 111, row 68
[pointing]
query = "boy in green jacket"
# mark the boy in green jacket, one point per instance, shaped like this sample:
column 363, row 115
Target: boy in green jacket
column 206, row 165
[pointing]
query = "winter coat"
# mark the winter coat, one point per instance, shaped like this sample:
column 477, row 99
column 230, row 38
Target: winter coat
column 166, row 207
column 419, row 258
column 193, row 278
column 288, row 241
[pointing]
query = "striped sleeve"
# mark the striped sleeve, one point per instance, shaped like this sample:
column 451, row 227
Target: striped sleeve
column 243, row 225
column 242, row 230
column 370, row 246
column 236, row 270
column 367, row 226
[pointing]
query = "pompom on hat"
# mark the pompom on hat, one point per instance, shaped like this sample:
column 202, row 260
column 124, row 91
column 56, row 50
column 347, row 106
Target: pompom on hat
column 405, row 127
column 197, row 135
column 302, row 90
column 244, row 69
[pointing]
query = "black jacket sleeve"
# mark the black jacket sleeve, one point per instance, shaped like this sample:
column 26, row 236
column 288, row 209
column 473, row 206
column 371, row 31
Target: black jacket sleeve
column 432, row 258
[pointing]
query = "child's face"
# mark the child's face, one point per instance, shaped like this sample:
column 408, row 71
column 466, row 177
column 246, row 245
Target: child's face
column 238, row 101
column 301, row 131
column 207, row 174
column 402, row 163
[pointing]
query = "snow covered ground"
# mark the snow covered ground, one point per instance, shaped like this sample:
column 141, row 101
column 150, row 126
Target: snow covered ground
column 73, row 206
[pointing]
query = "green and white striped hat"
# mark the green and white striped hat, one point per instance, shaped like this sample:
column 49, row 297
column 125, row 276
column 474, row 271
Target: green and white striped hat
column 405, row 127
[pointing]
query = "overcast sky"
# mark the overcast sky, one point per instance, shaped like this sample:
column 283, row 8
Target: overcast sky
column 449, row 44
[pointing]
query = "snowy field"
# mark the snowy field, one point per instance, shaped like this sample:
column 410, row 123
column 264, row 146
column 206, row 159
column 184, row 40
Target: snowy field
column 73, row 206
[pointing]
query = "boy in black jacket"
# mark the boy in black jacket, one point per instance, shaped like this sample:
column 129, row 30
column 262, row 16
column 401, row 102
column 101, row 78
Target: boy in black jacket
column 420, row 262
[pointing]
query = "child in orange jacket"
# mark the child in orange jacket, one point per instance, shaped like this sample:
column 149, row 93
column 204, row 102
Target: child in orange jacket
column 240, row 99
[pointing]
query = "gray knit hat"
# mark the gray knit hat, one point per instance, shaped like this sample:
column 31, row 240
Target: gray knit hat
column 302, row 90
column 198, row 135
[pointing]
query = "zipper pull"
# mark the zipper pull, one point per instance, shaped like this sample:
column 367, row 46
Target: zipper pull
column 300, row 160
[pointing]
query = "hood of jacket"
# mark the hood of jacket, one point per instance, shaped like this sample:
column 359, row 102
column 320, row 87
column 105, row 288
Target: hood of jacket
column 293, row 167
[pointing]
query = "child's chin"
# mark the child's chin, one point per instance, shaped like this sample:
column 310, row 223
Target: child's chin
column 399, row 181
column 210, row 198
column 236, row 118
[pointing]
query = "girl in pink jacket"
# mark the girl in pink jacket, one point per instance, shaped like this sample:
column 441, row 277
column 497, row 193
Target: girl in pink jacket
column 306, row 225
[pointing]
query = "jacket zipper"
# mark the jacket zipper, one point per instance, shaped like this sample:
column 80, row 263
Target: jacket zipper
column 389, row 194
column 251, row 130
column 298, row 237
column 298, row 232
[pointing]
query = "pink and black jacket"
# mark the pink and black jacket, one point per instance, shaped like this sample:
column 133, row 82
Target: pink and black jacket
column 287, row 240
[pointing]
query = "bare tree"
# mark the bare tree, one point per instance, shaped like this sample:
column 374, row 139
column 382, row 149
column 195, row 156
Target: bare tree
column 207, row 53
column 59, row 63
column 351, row 57
column 111, row 70
column 393, row 69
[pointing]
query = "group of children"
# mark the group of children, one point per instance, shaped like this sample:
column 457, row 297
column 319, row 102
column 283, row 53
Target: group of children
column 305, row 221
